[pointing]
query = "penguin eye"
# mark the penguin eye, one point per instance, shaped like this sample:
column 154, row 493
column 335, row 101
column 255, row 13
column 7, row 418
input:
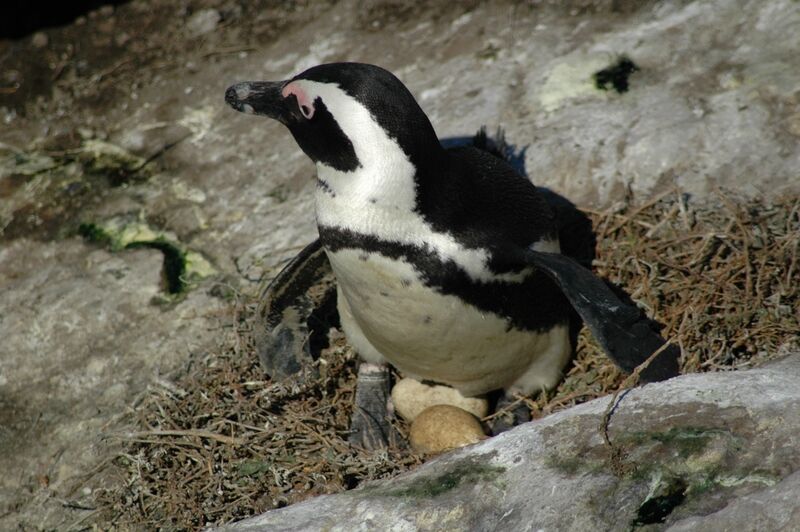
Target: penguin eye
column 305, row 104
column 306, row 110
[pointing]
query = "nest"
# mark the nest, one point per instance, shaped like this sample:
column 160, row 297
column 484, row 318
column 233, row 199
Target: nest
column 223, row 442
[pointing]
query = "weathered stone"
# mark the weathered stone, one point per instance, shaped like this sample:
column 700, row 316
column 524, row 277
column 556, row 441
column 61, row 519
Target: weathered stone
column 774, row 508
column 686, row 451
column 83, row 331
column 204, row 21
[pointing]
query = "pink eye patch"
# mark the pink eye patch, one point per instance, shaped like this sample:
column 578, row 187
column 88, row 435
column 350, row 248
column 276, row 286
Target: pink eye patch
column 303, row 101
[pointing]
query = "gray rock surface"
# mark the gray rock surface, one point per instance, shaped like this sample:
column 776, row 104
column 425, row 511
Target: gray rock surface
column 81, row 336
column 773, row 508
column 85, row 330
column 711, row 451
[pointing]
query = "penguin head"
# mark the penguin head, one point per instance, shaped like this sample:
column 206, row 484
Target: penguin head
column 336, row 112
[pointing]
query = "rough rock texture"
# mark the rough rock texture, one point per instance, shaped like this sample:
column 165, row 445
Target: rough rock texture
column 126, row 121
column 701, row 451
column 773, row 508
column 81, row 334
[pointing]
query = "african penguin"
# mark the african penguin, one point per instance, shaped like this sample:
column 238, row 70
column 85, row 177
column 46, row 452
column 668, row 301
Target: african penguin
column 447, row 260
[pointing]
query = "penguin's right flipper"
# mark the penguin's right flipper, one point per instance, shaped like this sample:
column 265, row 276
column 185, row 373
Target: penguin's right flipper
column 296, row 308
column 626, row 335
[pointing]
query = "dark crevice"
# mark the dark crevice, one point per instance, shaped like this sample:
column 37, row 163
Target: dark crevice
column 615, row 76
column 350, row 481
column 657, row 509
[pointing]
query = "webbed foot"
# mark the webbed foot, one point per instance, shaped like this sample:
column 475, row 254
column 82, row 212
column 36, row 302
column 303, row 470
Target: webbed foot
column 509, row 413
column 369, row 426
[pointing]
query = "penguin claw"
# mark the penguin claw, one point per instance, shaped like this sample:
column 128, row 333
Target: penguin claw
column 369, row 425
column 514, row 414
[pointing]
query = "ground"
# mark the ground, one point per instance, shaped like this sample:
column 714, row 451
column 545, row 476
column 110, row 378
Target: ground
column 138, row 219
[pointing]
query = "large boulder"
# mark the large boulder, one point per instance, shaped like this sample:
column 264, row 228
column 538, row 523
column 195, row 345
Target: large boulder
column 697, row 450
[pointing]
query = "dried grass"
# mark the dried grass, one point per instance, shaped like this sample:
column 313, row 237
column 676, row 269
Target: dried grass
column 224, row 442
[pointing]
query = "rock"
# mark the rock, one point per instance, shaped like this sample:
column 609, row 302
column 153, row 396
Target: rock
column 686, row 452
column 442, row 428
column 410, row 397
column 202, row 22
column 774, row 508
column 39, row 39
column 88, row 331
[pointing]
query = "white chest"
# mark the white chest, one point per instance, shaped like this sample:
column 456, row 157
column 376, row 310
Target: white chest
column 429, row 335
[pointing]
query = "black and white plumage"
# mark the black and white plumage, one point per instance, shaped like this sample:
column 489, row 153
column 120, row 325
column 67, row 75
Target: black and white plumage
column 447, row 261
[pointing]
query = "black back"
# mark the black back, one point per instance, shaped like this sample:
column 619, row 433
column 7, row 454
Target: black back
column 483, row 202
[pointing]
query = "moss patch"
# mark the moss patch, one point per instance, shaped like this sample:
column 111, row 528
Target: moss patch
column 679, row 464
column 467, row 470
column 181, row 266
column 570, row 464
column 94, row 233
column 572, row 79
column 685, row 441
column 45, row 192
column 116, row 164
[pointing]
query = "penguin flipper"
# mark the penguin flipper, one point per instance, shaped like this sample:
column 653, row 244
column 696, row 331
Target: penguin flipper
column 626, row 335
column 300, row 297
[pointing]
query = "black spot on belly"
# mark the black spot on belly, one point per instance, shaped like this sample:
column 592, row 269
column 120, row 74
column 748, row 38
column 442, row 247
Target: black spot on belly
column 373, row 200
column 363, row 257
column 405, row 283
column 325, row 187
column 427, row 320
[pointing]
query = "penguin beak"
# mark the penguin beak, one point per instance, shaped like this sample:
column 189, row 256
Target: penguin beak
column 259, row 98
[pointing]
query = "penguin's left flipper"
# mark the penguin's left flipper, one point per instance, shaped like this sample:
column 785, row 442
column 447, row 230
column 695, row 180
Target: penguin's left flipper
column 623, row 331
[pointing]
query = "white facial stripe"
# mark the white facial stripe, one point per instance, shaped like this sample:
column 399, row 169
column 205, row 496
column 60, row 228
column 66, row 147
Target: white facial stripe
column 379, row 197
column 385, row 169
